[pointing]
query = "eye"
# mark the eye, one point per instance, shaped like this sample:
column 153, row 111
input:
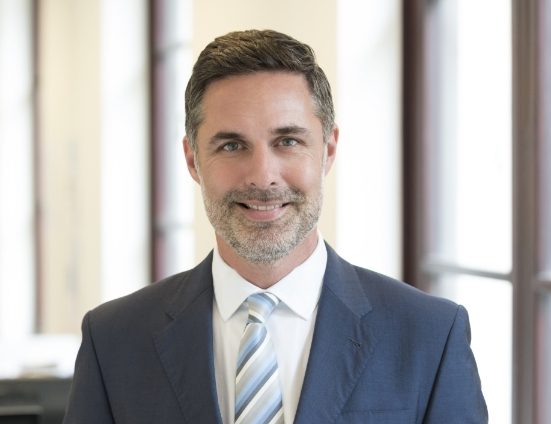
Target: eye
column 230, row 146
column 288, row 142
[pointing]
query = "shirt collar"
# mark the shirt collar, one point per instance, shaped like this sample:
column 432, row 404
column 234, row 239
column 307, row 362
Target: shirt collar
column 299, row 290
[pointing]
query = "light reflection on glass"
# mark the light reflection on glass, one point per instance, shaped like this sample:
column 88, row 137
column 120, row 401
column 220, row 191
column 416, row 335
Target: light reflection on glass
column 472, row 171
column 489, row 303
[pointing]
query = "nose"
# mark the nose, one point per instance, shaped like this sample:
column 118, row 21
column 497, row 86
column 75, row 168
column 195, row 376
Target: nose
column 262, row 169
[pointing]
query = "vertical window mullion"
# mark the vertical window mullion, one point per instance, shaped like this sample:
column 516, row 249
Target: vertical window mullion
column 36, row 167
column 525, row 118
column 414, row 115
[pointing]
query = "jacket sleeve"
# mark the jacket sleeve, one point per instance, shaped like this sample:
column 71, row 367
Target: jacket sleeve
column 88, row 401
column 457, row 394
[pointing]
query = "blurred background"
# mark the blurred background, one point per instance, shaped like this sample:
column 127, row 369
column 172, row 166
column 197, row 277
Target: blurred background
column 443, row 176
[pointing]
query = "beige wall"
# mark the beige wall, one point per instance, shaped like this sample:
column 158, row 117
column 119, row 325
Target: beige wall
column 70, row 168
column 313, row 22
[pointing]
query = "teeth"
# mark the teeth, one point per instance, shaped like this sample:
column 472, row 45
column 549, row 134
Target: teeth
column 263, row 207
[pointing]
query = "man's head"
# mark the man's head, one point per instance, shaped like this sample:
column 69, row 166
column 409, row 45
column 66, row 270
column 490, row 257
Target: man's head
column 260, row 144
column 245, row 52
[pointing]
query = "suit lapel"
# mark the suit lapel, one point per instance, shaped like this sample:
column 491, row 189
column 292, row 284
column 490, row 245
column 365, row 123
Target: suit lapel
column 340, row 347
column 186, row 350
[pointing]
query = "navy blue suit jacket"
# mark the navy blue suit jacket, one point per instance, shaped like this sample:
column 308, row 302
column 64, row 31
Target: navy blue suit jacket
column 382, row 352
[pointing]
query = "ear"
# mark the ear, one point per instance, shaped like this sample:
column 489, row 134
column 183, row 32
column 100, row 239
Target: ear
column 190, row 160
column 331, row 147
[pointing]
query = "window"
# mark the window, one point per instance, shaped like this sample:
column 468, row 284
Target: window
column 368, row 170
column 477, row 199
column 467, row 177
column 124, row 152
column 74, row 216
column 173, row 194
column 17, row 188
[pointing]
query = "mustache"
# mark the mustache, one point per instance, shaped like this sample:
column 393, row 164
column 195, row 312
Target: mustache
column 281, row 195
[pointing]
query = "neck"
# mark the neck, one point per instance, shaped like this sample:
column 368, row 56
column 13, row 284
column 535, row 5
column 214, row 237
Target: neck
column 265, row 275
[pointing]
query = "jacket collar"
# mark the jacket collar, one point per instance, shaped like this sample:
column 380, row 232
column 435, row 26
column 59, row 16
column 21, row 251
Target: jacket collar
column 185, row 346
column 341, row 345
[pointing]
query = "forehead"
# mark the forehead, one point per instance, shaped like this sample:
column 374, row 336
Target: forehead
column 272, row 98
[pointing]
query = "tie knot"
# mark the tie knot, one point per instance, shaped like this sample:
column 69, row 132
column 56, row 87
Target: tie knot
column 261, row 306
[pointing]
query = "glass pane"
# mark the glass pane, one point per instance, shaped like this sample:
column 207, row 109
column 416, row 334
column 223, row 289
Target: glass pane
column 368, row 114
column 489, row 303
column 125, row 245
column 543, row 355
column 17, row 261
column 470, row 176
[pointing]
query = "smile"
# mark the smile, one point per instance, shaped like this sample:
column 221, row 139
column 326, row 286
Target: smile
column 262, row 207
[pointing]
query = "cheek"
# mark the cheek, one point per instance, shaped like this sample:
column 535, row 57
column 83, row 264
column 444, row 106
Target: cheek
column 218, row 181
column 306, row 176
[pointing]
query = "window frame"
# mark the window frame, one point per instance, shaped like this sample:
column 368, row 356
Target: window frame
column 167, row 221
column 531, row 106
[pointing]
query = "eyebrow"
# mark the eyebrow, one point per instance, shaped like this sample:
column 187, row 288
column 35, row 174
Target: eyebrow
column 232, row 135
column 225, row 135
column 290, row 129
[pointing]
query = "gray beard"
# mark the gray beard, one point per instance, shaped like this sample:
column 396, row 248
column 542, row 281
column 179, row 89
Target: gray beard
column 264, row 242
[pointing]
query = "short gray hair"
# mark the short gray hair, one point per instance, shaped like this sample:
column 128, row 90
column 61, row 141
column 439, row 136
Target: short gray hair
column 245, row 52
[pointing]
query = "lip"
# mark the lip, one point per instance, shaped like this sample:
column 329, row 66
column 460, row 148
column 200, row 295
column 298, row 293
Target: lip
column 262, row 211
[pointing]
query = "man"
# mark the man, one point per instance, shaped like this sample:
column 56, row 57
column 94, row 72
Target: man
column 342, row 344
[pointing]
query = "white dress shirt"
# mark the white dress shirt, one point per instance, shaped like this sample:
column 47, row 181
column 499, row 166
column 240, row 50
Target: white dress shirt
column 291, row 326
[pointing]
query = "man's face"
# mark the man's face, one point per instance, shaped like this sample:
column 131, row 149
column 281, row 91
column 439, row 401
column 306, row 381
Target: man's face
column 261, row 161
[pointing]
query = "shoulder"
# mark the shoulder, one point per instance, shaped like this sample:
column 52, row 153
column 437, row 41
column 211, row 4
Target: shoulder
column 153, row 295
column 152, row 305
column 386, row 291
column 387, row 297
column 401, row 316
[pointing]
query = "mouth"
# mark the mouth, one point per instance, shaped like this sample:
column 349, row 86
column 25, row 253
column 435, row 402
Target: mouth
column 258, row 211
column 262, row 207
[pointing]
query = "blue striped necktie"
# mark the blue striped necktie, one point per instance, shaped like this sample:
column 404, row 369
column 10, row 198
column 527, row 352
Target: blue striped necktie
column 258, row 397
